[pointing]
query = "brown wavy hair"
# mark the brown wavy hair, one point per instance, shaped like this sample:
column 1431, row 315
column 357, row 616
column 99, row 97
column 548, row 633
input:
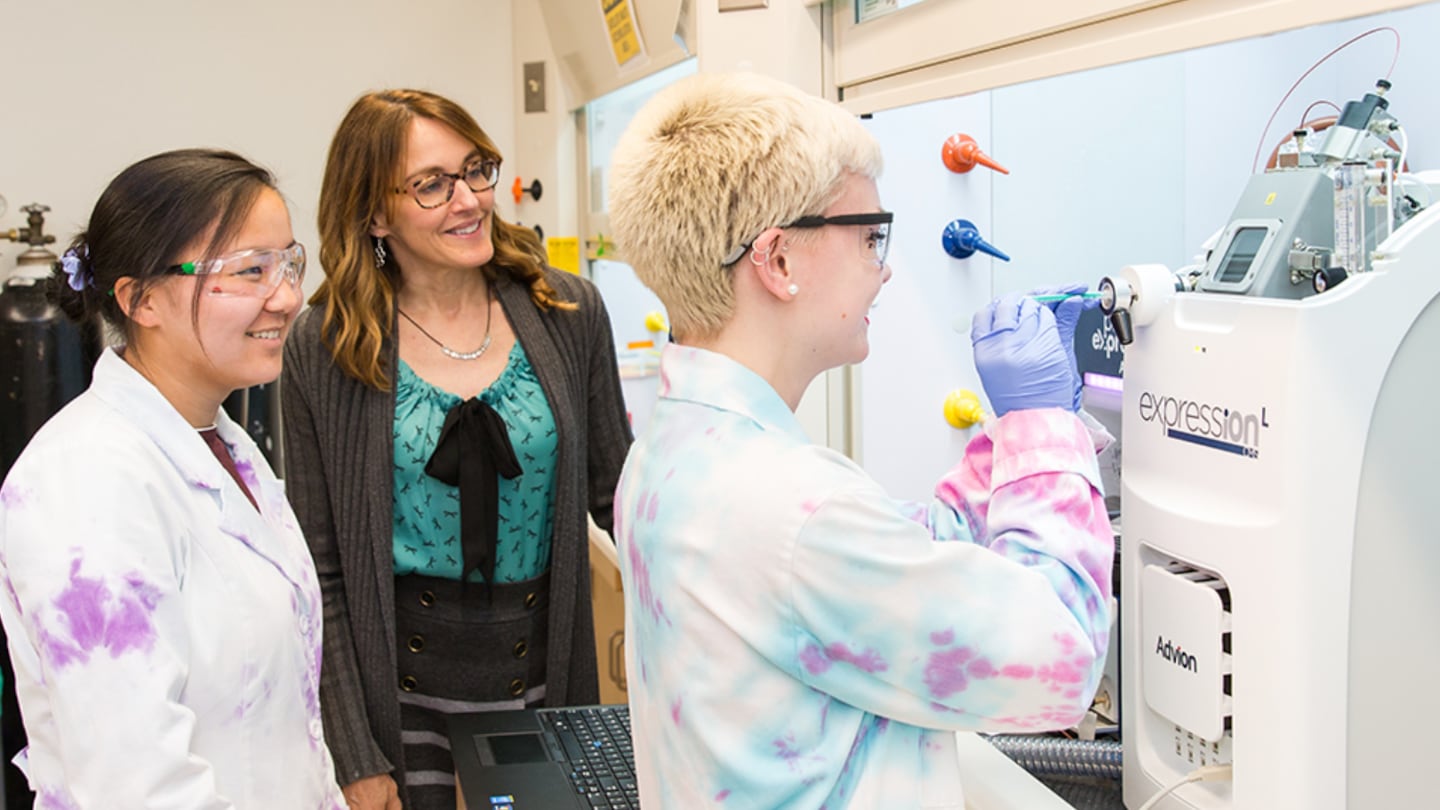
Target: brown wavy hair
column 366, row 163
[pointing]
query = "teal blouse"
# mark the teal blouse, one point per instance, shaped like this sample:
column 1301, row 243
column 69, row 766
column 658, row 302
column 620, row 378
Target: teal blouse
column 427, row 511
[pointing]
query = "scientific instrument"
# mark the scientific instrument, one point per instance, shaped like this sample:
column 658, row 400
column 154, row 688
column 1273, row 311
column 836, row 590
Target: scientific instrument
column 1279, row 445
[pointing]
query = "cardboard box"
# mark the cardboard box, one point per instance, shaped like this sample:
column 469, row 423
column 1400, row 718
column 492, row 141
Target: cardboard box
column 608, row 601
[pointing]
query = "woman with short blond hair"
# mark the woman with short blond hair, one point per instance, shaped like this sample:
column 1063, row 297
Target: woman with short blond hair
column 794, row 637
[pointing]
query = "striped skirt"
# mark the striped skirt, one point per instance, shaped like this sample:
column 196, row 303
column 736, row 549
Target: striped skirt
column 460, row 653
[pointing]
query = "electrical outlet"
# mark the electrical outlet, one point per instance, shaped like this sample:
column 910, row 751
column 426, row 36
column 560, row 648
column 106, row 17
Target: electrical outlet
column 534, row 90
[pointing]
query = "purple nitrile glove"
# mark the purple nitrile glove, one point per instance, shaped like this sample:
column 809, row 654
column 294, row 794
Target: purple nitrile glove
column 1025, row 353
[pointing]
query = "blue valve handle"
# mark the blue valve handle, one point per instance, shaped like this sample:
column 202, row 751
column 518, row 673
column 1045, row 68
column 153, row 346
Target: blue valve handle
column 961, row 239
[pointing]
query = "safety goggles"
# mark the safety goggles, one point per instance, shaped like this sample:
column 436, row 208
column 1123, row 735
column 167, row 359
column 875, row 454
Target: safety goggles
column 874, row 236
column 249, row 273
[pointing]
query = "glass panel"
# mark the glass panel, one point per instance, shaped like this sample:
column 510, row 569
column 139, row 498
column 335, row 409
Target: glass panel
column 632, row 307
column 606, row 118
column 866, row 10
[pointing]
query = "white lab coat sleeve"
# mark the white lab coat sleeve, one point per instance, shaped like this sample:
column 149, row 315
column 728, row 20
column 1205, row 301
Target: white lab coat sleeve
column 95, row 557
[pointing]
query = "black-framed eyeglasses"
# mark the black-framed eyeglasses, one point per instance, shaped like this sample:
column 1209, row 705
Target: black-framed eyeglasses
column 249, row 273
column 434, row 190
column 874, row 240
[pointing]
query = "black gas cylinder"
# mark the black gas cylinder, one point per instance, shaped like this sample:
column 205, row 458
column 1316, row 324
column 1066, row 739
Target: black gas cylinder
column 45, row 361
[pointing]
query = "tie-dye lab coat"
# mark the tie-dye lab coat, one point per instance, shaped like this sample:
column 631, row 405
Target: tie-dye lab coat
column 795, row 638
column 165, row 636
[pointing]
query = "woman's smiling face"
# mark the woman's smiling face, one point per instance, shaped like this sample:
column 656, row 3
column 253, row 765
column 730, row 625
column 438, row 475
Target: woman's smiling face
column 453, row 235
column 228, row 342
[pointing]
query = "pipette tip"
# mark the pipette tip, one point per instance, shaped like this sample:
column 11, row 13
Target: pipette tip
column 1045, row 299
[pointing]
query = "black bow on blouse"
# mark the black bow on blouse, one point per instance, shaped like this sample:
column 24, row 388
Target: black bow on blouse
column 473, row 450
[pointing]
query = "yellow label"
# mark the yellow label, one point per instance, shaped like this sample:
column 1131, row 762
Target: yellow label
column 564, row 253
column 624, row 37
column 1270, row 198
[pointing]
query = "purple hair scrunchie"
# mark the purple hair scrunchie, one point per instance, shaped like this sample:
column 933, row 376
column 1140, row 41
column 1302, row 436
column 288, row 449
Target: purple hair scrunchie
column 79, row 278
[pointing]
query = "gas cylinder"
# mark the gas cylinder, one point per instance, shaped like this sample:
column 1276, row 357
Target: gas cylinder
column 45, row 360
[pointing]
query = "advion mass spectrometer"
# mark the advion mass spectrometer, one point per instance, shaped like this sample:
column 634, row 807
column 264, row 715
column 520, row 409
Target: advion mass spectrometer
column 1280, row 540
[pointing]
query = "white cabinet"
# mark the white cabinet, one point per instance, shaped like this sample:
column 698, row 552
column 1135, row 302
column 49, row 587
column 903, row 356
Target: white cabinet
column 931, row 31
column 944, row 48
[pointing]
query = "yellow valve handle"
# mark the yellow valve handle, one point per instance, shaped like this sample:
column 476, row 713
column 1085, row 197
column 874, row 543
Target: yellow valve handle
column 962, row 409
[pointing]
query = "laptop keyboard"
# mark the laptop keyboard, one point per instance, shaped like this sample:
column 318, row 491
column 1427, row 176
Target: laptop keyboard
column 602, row 763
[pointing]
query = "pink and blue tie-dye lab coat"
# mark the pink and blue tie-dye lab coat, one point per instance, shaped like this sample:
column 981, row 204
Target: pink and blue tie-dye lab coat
column 797, row 639
column 165, row 635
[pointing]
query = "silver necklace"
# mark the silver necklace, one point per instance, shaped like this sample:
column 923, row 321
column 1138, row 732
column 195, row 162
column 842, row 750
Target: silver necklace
column 446, row 350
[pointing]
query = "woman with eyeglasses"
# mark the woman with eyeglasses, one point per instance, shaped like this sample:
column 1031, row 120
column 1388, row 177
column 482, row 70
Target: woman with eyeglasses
column 795, row 637
column 163, row 613
column 452, row 413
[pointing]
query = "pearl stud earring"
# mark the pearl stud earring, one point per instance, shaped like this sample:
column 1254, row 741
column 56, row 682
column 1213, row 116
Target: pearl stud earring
column 793, row 289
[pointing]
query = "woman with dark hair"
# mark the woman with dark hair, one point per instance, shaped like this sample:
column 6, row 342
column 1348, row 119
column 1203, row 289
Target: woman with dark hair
column 452, row 412
column 163, row 612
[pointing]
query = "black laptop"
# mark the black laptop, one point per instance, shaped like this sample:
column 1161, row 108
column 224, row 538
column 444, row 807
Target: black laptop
column 546, row 759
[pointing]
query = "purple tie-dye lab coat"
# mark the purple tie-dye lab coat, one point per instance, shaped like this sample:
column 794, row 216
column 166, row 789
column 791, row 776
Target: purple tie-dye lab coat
column 795, row 638
column 165, row 635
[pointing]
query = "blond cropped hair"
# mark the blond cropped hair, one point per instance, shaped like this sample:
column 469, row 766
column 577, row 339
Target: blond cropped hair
column 707, row 165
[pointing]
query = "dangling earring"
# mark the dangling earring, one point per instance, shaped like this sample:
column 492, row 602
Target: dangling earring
column 793, row 289
column 379, row 252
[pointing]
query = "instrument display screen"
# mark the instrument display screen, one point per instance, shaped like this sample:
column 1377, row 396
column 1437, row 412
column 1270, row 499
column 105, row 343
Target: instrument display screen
column 1244, row 245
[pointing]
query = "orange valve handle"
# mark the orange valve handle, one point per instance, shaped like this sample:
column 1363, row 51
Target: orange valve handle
column 519, row 190
column 960, row 154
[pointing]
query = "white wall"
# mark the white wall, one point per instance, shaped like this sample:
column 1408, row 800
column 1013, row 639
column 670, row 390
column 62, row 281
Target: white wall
column 94, row 85
column 784, row 40
column 545, row 141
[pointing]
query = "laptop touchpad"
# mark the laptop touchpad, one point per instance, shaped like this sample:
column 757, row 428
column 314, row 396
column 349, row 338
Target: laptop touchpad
column 510, row 749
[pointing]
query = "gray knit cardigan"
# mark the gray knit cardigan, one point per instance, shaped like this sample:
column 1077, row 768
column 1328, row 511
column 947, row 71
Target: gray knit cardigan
column 339, row 449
